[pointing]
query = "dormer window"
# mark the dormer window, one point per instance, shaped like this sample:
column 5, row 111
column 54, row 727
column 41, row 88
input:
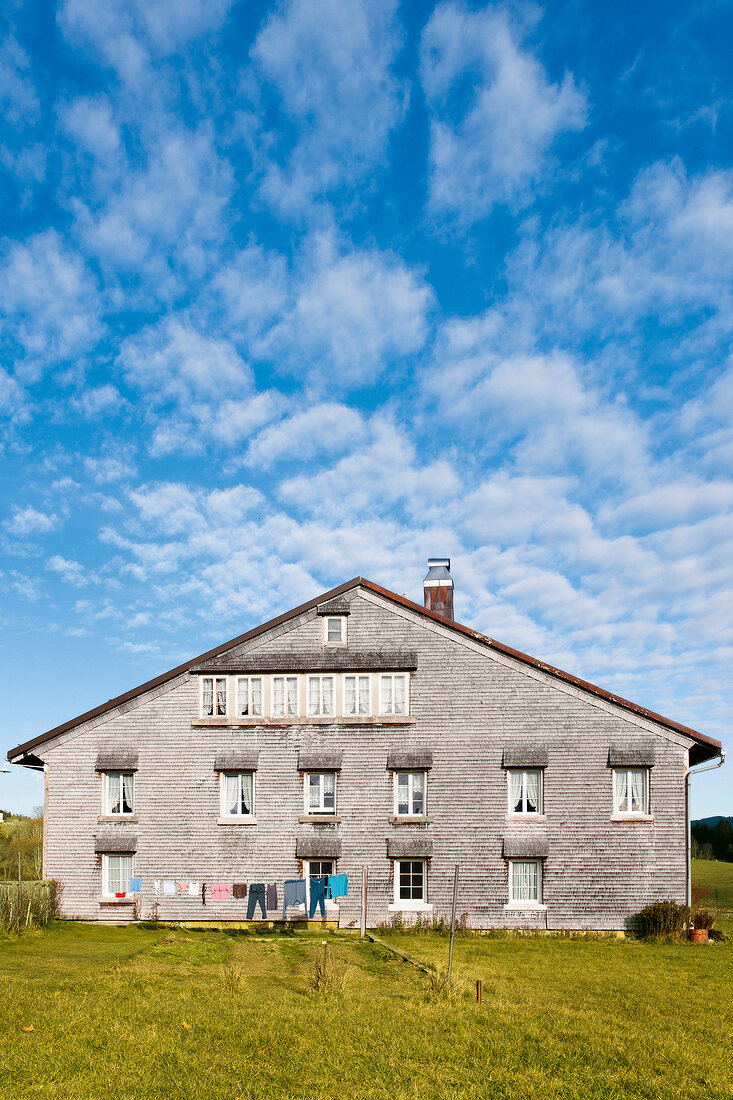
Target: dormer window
column 334, row 630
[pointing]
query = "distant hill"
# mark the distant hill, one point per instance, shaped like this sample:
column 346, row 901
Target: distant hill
column 712, row 821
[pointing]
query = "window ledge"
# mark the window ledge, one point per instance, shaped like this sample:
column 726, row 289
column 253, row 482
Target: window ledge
column 398, row 819
column 525, row 907
column 526, row 817
column 319, row 819
column 410, row 907
column 127, row 819
column 330, row 720
column 106, row 900
column 235, row 820
column 632, row 817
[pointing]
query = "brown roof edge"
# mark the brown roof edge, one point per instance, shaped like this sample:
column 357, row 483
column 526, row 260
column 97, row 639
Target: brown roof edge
column 544, row 667
column 149, row 685
column 97, row 712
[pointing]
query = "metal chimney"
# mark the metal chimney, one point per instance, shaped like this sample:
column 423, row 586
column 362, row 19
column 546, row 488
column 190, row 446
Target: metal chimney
column 438, row 588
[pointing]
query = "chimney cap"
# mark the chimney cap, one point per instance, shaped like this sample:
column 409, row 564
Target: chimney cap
column 439, row 570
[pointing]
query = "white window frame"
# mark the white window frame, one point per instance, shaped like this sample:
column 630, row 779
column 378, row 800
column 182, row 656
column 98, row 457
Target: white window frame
column 107, row 857
column 356, row 676
column 106, row 798
column 342, row 621
column 391, row 676
column 237, row 818
column 331, row 903
column 227, row 707
column 321, row 811
column 249, row 680
column 526, row 903
column 285, row 677
column 320, row 677
column 410, row 791
column 645, row 812
column 524, row 812
column 406, row 904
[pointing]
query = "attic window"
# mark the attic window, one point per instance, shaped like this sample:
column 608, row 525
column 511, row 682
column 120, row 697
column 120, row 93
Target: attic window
column 334, row 630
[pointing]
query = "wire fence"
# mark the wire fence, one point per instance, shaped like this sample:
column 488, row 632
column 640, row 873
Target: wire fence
column 27, row 905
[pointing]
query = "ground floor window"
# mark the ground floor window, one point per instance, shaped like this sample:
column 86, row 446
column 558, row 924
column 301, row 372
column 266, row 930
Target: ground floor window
column 410, row 880
column 316, row 868
column 237, row 795
column 525, row 882
column 116, row 874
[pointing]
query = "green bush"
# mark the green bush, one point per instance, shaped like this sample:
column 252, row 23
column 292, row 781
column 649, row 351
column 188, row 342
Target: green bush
column 702, row 918
column 664, row 918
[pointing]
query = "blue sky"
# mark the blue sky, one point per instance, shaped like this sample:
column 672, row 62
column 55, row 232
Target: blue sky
column 294, row 292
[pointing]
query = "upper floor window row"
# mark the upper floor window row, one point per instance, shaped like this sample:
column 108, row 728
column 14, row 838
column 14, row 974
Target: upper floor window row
column 326, row 695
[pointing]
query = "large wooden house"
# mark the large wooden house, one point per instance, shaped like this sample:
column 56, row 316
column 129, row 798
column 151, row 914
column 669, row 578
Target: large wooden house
column 364, row 731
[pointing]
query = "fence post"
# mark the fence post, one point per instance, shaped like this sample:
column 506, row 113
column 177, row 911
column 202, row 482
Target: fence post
column 452, row 925
column 363, row 901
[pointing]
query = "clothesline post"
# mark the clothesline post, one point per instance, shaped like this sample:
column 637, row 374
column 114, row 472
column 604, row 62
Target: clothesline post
column 452, row 925
column 363, row 901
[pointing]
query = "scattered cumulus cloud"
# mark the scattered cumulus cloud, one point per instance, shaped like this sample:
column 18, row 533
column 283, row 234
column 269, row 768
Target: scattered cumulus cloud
column 495, row 115
column 29, row 521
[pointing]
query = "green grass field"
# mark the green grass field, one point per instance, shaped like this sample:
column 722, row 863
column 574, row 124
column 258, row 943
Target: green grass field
column 156, row 1012
column 717, row 879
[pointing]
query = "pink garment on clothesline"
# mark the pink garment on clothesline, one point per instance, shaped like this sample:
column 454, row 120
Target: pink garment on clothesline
column 221, row 891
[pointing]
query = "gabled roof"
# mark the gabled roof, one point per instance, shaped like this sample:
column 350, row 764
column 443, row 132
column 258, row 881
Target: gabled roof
column 707, row 747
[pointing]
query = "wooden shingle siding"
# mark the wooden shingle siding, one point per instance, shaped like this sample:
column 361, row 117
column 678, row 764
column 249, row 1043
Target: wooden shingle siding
column 469, row 704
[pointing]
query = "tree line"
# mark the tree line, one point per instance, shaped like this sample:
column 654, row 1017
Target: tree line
column 713, row 841
column 21, row 835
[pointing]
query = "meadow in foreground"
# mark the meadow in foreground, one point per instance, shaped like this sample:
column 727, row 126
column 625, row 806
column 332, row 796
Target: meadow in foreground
column 162, row 1013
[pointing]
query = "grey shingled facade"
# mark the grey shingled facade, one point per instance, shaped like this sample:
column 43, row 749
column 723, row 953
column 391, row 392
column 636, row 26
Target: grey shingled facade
column 473, row 711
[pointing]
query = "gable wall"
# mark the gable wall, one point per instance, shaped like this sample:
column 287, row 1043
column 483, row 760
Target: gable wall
column 468, row 704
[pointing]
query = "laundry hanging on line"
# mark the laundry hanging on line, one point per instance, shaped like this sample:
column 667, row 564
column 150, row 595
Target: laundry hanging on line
column 256, row 897
column 221, row 891
column 338, row 886
column 136, row 885
column 271, row 895
column 293, row 893
column 240, row 889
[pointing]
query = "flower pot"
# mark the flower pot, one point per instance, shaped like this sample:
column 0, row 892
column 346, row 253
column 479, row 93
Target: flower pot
column 699, row 935
column 123, row 894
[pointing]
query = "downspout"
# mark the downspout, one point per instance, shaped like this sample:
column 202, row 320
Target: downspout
column 688, row 812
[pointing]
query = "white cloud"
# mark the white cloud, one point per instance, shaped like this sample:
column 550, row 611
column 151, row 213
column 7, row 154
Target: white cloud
column 490, row 146
column 172, row 361
column 72, row 572
column 126, row 32
column 90, row 123
column 18, row 96
column 354, row 313
column 117, row 466
column 50, row 304
column 29, row 521
column 319, row 430
column 253, row 289
column 164, row 219
column 96, row 400
column 330, row 61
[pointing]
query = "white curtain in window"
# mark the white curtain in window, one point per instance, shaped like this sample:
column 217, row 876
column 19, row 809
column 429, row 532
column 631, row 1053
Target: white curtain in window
column 525, row 881
column 119, row 870
column 208, row 696
column 314, row 792
column 400, row 695
column 622, row 797
column 243, row 696
column 363, row 695
column 292, row 695
column 386, row 695
column 403, row 793
column 221, row 696
column 329, row 791
column 327, row 700
column 256, row 687
column 515, row 791
column 113, row 794
column 246, row 794
column 418, row 793
column 278, row 696
column 314, row 695
column 638, row 791
column 232, row 794
column 349, row 695
column 533, row 792
column 127, row 782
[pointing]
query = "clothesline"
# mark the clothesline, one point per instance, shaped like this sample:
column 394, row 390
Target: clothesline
column 257, row 893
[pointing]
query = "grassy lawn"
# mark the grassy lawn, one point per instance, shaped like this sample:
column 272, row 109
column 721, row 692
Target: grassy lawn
column 153, row 1012
column 717, row 878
